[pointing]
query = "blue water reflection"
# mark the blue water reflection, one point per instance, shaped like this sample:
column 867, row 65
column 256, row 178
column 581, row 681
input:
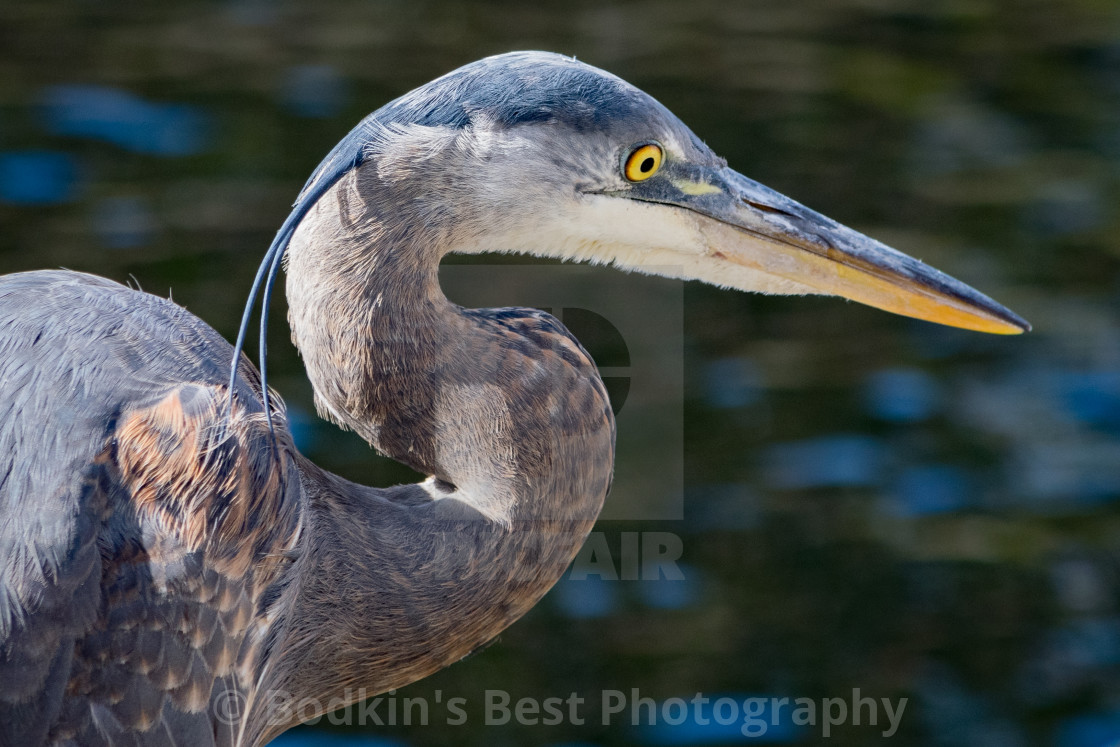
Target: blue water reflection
column 38, row 177
column 672, row 593
column 1089, row 730
column 723, row 507
column 311, row 737
column 902, row 395
column 732, row 382
column 722, row 718
column 587, row 598
column 1093, row 397
column 847, row 460
column 119, row 117
column 931, row 489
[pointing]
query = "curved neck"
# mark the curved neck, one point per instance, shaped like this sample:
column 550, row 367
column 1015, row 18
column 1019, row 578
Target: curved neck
column 367, row 314
column 505, row 413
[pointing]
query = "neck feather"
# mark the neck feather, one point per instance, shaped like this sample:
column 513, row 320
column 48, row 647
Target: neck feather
column 506, row 414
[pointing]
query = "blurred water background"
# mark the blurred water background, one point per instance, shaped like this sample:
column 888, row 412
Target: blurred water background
column 870, row 502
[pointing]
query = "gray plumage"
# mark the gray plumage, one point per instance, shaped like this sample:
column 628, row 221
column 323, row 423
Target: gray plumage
column 165, row 557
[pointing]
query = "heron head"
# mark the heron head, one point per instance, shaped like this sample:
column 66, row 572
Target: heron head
column 537, row 153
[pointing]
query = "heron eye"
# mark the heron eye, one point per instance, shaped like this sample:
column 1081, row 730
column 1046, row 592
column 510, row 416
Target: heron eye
column 643, row 162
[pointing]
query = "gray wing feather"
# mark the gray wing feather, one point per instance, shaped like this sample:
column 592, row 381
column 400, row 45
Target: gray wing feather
column 98, row 571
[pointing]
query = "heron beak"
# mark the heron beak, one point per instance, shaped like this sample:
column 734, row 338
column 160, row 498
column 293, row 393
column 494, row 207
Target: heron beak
column 755, row 227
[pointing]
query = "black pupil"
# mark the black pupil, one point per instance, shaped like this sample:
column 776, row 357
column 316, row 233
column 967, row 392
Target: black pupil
column 647, row 165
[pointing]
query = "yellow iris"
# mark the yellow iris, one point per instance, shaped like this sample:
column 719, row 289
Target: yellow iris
column 643, row 162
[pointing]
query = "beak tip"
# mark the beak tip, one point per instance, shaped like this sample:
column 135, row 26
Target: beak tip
column 1016, row 325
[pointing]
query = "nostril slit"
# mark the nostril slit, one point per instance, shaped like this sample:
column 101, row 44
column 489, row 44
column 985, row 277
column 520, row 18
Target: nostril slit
column 444, row 487
column 764, row 208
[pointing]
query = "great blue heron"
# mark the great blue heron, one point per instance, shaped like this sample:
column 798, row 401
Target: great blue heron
column 167, row 559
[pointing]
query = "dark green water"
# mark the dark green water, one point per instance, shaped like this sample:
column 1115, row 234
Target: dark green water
column 868, row 502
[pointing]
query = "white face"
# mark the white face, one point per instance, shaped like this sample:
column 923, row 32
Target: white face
column 644, row 237
column 548, row 192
